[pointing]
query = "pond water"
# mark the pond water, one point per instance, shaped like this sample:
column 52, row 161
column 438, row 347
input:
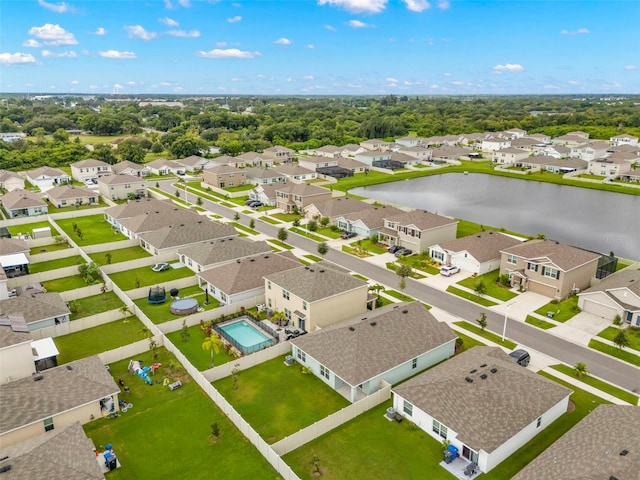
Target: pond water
column 591, row 219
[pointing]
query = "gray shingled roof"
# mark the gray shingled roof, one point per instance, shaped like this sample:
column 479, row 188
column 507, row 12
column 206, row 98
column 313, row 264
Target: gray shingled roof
column 63, row 453
column 10, row 337
column 70, row 192
column 189, row 233
column 88, row 163
column 482, row 246
column 35, row 307
column 315, row 282
column 302, row 189
column 292, row 170
column 261, row 173
column 421, row 219
column 248, row 273
column 138, row 207
column 120, row 179
column 574, row 162
column 13, row 245
column 123, row 165
column 224, row 250
column 362, row 351
column 486, row 412
column 223, row 169
column 163, row 162
column 48, row 171
column 374, row 217
column 341, row 206
column 148, row 222
column 627, row 278
column 21, row 199
column 26, row 401
column 591, row 449
column 563, row 256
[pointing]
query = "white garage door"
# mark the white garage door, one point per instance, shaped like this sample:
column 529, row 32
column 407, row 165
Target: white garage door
column 467, row 264
column 598, row 309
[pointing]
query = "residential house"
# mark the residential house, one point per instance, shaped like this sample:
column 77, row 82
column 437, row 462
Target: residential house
column 630, row 157
column 580, row 134
column 527, row 144
column 133, row 208
column 570, row 140
column 297, row 196
column 326, row 151
column 516, row 133
column 194, row 163
column 70, row 195
column 10, row 137
column 617, row 295
column 495, row 143
column 590, row 151
column 623, row 139
column 351, row 149
column 483, row 403
column 375, row 144
column 417, row 230
column 256, row 159
column 313, row 163
column 173, row 237
column 14, row 261
column 610, row 167
column 316, row 296
column 336, row 207
column 264, row 176
column 446, row 154
column 266, row 194
column 78, row 391
column 45, row 178
column 536, row 162
column 390, row 344
column 404, row 159
column 279, row 154
column 566, row 165
column 10, row 246
column 296, row 173
column 350, row 164
column 126, row 167
column 11, row 181
column 148, row 222
column 556, row 151
column 366, row 222
column 508, row 156
column 370, row 156
column 478, row 253
column 541, row 138
column 223, row 176
column 549, row 268
column 122, row 186
column 603, row 445
column 236, row 162
column 16, row 356
column 467, row 139
column 162, row 166
column 89, row 169
column 205, row 255
column 23, row 203
column 409, row 141
column 65, row 452
column 422, row 154
column 37, row 310
column 243, row 279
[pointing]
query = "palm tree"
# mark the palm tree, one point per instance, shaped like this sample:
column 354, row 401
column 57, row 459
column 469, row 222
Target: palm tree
column 124, row 310
column 621, row 340
column 212, row 343
column 277, row 317
column 580, row 369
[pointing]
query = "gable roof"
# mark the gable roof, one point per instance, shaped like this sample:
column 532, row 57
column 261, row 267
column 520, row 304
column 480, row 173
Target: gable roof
column 292, row 170
column 223, row 169
column 340, row 206
column 47, row 172
column 13, row 245
column 563, row 256
column 421, row 219
column 185, row 234
column 88, row 163
column 387, row 338
column 483, row 246
column 485, row 412
column 262, row 173
column 10, row 336
column 374, row 217
column 302, row 189
column 26, row 401
column 34, row 308
column 224, row 250
column 120, row 179
column 138, row 207
column 250, row 156
column 627, row 278
column 574, row 162
column 592, row 449
column 21, row 199
column 125, row 164
column 191, row 160
column 70, row 191
column 163, row 162
column 539, row 160
column 150, row 221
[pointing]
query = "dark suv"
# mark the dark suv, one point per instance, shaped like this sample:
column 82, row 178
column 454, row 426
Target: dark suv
column 521, row 357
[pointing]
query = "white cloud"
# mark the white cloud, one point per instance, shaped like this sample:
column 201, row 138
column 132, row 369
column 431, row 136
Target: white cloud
column 283, row 41
column 168, row 5
column 74, row 82
column 238, row 79
column 221, row 44
column 331, row 28
column 458, row 83
column 228, row 53
column 308, row 78
column 16, row 58
column 165, row 84
column 357, row 6
column 117, row 55
column 392, row 80
column 509, row 67
column 311, row 46
column 184, row 34
column 31, row 43
column 235, row 19
column 443, row 4
column 631, row 67
column 184, row 3
column 131, row 82
column 53, row 35
column 169, row 22
column 359, row 24
column 573, row 82
column 580, row 31
column 417, row 5
column 138, row 31
column 446, row 74
column 118, row 86
column 57, row 7
column 93, row 87
column 99, row 31
column 50, row 54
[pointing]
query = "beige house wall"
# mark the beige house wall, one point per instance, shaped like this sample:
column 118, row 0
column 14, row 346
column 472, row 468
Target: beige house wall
column 16, row 362
column 224, row 180
column 115, row 192
column 428, row 237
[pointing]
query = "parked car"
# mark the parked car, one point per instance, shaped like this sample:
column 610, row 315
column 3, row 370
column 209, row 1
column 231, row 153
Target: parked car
column 521, row 357
column 253, row 203
column 347, row 235
column 249, row 201
column 160, row 267
column 403, row 252
column 449, row 270
column 394, row 248
column 256, row 204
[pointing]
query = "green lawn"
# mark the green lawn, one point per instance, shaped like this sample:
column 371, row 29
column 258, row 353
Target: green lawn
column 307, row 234
column 599, row 384
column 633, row 334
column 622, row 354
column 160, row 313
column 418, row 263
column 102, row 338
column 494, row 288
column 536, row 322
column 176, row 426
column 414, row 274
column 354, row 252
column 313, row 258
column 562, row 311
column 55, row 264
column 64, row 284
column 620, row 265
column 328, row 232
column 54, row 247
column 468, row 342
column 97, row 139
column 471, row 296
column 242, row 228
column 94, row 304
column 72, row 208
column 400, row 296
column 144, row 276
column 278, row 400
column 369, row 446
column 280, row 244
column 270, row 220
column 240, row 188
column 16, row 230
column 361, row 277
column 120, row 255
column 286, row 217
column 368, row 246
column 95, row 229
column 192, row 349
column 486, row 334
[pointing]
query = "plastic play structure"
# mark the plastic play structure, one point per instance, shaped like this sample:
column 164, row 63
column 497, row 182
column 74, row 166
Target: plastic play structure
column 135, row 368
column 157, row 295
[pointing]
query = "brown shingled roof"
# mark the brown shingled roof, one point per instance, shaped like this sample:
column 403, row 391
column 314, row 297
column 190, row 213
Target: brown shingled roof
column 563, row 256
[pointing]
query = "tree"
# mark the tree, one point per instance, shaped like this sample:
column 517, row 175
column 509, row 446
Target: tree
column 621, row 340
column 177, row 193
column 312, row 226
column 212, row 343
column 323, row 248
column 184, row 331
column 131, row 150
column 480, row 289
column 103, row 290
column 324, row 221
column 283, row 235
column 90, row 272
column 235, row 374
column 236, row 216
column 580, row 369
column 79, row 233
column 153, row 345
column 125, row 311
column 252, row 223
column 296, row 222
column 186, row 146
column 199, row 201
column 107, row 258
column 482, row 321
column 215, row 432
column 403, row 272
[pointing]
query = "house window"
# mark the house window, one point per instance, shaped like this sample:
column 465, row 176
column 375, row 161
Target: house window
column 414, row 363
column 302, row 356
column 439, row 429
column 269, row 284
column 287, row 313
column 285, row 294
column 512, row 259
column 532, row 266
column 437, row 255
column 48, row 424
column 551, row 272
column 539, row 422
column 269, row 303
column 408, row 408
column 212, row 289
column 304, row 305
column 324, row 372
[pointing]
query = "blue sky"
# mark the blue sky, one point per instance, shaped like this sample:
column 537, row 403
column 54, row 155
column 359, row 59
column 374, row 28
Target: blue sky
column 320, row 47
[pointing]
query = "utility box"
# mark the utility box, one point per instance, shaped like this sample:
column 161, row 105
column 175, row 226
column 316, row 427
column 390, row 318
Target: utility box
column 43, row 232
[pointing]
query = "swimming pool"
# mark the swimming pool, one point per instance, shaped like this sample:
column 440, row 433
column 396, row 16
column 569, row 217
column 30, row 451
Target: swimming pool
column 245, row 336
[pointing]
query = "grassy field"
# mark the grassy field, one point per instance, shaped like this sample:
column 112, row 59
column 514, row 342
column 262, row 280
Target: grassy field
column 16, row 230
column 160, row 313
column 490, row 281
column 307, row 234
column 471, row 296
column 486, row 334
column 192, row 349
column 398, row 295
column 64, row 284
column 633, row 334
column 55, row 264
column 536, row 322
column 119, row 255
column 599, row 384
column 328, row 232
column 242, row 228
column 280, row 244
column 144, row 276
column 94, row 304
column 97, row 139
column 53, row 247
column 624, row 355
column 95, row 229
column 562, row 311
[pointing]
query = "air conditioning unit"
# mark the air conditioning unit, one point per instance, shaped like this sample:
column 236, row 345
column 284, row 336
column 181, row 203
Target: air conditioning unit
column 575, row 290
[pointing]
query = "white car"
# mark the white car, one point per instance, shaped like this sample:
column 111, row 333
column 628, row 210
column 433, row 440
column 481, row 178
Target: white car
column 449, row 270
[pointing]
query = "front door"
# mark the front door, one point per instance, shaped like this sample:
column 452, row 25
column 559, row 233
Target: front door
column 301, row 323
column 469, row 454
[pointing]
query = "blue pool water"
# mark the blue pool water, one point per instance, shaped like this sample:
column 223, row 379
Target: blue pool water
column 248, row 337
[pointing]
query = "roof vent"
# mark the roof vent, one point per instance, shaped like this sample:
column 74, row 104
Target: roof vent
column 38, row 378
column 396, row 306
column 306, row 268
column 69, row 367
column 373, row 324
column 4, row 458
column 468, row 379
column 352, row 329
column 494, row 370
column 321, row 271
column 311, row 270
column 405, row 311
column 5, row 468
column 490, row 233
column 473, row 371
column 252, row 259
column 238, row 260
column 483, row 365
column 624, row 453
column 483, row 376
column 266, row 256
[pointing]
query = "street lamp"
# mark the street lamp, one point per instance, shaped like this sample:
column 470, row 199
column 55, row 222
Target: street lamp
column 504, row 328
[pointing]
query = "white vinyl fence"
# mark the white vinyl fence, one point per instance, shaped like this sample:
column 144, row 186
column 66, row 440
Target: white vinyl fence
column 77, row 325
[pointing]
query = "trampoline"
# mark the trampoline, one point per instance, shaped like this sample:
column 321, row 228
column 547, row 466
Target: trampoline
column 156, row 295
column 184, row 306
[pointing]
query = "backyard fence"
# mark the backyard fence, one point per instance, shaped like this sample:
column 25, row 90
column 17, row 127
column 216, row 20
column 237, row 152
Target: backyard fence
column 146, row 261
column 248, row 361
column 128, row 351
column 41, row 242
column 84, row 291
column 55, row 255
column 108, row 246
column 179, row 283
column 75, row 213
column 77, row 325
column 42, row 276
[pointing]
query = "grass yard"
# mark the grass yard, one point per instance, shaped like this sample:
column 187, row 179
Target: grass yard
column 383, row 301
column 369, row 446
column 471, row 296
column 286, row 217
column 144, row 277
column 328, row 232
column 307, row 234
column 468, row 342
column 492, row 337
column 599, row 384
column 357, row 275
column 368, row 246
column 119, row 255
column 621, row 354
column 102, row 338
column 419, row 263
column 87, row 306
column 562, row 311
column 192, row 349
column 71, row 208
column 64, row 284
column 354, row 252
column 400, row 296
column 280, row 244
column 177, row 423
column 54, row 247
column 240, row 188
column 313, row 258
column 493, row 286
column 394, row 267
column 278, row 400
column 270, row 220
column 16, row 230
column 97, row 139
column 242, row 228
column 55, row 264
column 620, row 265
column 536, row 322
column 95, row 229
column 633, row 334
column 160, row 313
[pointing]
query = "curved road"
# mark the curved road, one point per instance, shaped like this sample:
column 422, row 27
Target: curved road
column 613, row 370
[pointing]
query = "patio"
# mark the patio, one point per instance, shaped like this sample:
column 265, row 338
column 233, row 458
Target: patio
column 457, row 467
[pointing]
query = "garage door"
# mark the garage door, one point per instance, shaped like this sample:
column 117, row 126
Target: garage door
column 466, row 264
column 598, row 309
column 542, row 289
